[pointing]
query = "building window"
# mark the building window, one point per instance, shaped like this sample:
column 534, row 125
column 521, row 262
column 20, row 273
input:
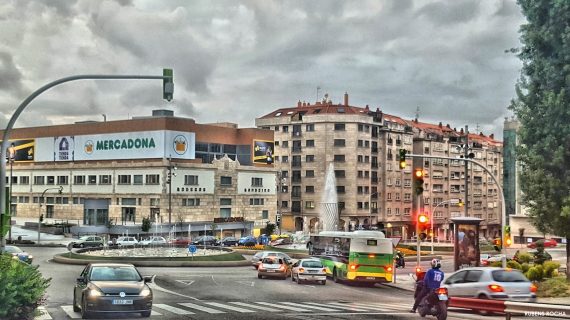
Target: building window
column 339, row 127
column 285, row 159
column 50, row 180
column 25, row 180
column 285, row 128
column 152, row 179
column 225, row 201
column 310, row 143
column 310, row 189
column 78, row 179
column 138, row 179
column 62, row 180
column 309, row 158
column 39, row 180
column 339, row 158
column 265, row 214
column 226, row 181
column 256, row 201
column 389, row 196
column 285, row 144
column 92, row 179
column 190, row 180
column 154, row 202
column 340, row 189
column 191, row 202
column 339, row 142
column 309, row 205
column 339, row 173
column 257, row 182
column 105, row 179
column 310, row 173
column 124, row 179
column 225, row 212
column 310, row 127
column 388, row 211
column 284, row 204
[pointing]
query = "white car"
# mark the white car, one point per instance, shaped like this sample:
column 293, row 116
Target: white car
column 309, row 270
column 127, row 241
column 153, row 241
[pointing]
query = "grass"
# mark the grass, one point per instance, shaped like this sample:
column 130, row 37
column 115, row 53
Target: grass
column 554, row 287
column 222, row 257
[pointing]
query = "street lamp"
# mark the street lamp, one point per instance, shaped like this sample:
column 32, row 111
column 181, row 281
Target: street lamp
column 453, row 201
column 11, row 156
column 60, row 189
column 169, row 181
column 370, row 209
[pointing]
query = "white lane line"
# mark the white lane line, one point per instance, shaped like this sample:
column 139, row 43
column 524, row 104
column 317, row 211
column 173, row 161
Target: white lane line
column 70, row 313
column 223, row 306
column 154, row 313
column 395, row 306
column 251, row 305
column 283, row 307
column 335, row 306
column 351, row 306
column 154, row 286
column 44, row 315
column 201, row 308
column 171, row 308
column 312, row 307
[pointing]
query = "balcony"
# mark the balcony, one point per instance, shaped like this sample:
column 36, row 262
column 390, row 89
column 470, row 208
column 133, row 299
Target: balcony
column 296, row 164
column 374, row 180
column 296, row 195
column 374, row 165
column 296, row 209
column 296, row 149
column 296, row 179
column 374, row 150
column 296, row 134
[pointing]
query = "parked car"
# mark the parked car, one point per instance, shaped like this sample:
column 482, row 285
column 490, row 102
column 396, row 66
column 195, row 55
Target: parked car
column 490, row 283
column 247, row 241
column 496, row 257
column 19, row 253
column 273, row 266
column 88, row 241
column 309, row 270
column 205, row 240
column 227, row 241
column 112, row 287
column 127, row 241
column 550, row 243
column 180, row 241
column 153, row 241
column 256, row 259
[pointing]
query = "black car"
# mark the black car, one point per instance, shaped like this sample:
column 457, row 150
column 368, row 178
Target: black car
column 228, row 241
column 112, row 288
column 205, row 240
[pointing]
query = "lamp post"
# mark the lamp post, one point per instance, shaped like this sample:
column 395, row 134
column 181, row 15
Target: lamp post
column 60, row 189
column 453, row 201
column 370, row 209
column 169, row 181
column 11, row 155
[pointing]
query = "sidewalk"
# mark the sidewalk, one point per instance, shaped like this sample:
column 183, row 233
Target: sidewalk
column 45, row 238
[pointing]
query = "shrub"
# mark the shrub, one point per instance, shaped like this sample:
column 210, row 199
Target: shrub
column 22, row 288
column 514, row 265
column 535, row 273
column 549, row 268
column 524, row 267
column 555, row 287
column 525, row 257
column 496, row 264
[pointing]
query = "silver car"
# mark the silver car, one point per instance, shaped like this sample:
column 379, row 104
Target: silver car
column 490, row 283
column 256, row 259
column 309, row 270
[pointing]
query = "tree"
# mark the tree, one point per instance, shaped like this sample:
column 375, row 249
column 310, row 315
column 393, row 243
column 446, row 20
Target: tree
column 542, row 106
column 146, row 224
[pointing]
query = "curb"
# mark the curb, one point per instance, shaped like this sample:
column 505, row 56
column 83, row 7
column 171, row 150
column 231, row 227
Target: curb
column 155, row 263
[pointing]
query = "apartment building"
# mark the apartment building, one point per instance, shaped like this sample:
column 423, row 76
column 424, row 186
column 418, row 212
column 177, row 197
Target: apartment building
column 363, row 145
column 167, row 168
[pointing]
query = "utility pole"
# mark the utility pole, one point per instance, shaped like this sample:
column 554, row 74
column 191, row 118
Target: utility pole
column 169, row 181
column 466, row 155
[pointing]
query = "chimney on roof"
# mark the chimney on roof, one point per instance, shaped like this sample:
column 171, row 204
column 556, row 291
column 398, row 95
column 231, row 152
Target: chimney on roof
column 299, row 104
column 481, row 134
column 492, row 136
column 461, row 131
column 447, row 125
column 367, row 109
column 346, row 99
column 416, row 120
column 440, row 124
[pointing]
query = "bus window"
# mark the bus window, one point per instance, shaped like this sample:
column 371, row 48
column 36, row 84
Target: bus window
column 372, row 242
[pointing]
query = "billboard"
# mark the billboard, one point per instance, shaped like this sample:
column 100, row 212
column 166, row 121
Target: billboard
column 24, row 150
column 64, row 148
column 263, row 151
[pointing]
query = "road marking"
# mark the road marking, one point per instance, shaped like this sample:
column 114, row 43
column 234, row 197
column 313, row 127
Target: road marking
column 186, row 282
column 312, row 307
column 154, row 313
column 247, row 283
column 215, row 281
column 376, row 305
column 219, row 305
column 154, row 286
column 70, row 313
column 201, row 308
column 44, row 315
column 350, row 306
column 249, row 305
column 172, row 309
column 284, row 306
column 335, row 306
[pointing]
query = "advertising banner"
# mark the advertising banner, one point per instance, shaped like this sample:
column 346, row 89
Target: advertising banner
column 263, row 151
column 64, row 148
column 24, row 150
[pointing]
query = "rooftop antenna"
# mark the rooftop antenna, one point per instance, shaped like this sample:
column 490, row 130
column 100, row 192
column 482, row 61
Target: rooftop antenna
column 318, row 88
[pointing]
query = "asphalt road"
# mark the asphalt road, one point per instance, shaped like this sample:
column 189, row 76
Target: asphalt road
column 237, row 293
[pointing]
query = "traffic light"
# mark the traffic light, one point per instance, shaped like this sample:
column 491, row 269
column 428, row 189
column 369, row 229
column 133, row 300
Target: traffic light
column 167, row 85
column 402, row 159
column 423, row 221
column 41, row 217
column 497, row 244
column 278, row 220
column 508, row 241
column 419, row 181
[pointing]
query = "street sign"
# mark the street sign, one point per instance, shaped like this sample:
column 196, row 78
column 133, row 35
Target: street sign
column 395, row 240
column 192, row 248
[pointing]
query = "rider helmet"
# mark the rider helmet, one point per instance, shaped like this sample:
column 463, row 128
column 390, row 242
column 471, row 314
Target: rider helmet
column 435, row 263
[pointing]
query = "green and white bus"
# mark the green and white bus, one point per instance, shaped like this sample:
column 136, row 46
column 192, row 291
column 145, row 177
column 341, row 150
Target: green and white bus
column 359, row 256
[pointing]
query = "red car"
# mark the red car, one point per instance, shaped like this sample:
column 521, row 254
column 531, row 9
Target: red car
column 550, row 243
column 181, row 241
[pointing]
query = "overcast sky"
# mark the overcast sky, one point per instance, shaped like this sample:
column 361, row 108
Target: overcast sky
column 238, row 60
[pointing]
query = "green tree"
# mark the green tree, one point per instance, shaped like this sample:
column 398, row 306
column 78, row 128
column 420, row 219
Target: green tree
column 146, row 224
column 542, row 106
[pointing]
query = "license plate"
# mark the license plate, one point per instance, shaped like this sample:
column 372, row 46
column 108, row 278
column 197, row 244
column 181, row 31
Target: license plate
column 370, row 278
column 313, row 271
column 270, row 270
column 122, row 301
column 442, row 297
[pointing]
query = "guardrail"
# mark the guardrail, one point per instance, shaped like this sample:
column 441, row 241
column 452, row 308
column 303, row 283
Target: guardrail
column 512, row 308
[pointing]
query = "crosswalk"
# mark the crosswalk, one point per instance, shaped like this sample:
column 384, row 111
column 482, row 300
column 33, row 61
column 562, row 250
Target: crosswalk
column 227, row 307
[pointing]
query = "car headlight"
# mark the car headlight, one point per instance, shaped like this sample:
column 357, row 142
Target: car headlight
column 145, row 292
column 95, row 293
column 30, row 257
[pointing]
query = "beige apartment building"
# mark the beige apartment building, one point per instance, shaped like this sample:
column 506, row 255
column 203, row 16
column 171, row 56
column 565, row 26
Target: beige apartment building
column 363, row 145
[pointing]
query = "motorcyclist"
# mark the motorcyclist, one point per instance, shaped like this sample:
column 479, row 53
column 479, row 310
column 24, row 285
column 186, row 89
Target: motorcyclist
column 432, row 281
column 400, row 260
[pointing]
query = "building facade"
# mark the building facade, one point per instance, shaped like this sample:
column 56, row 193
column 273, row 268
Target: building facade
column 168, row 169
column 363, row 146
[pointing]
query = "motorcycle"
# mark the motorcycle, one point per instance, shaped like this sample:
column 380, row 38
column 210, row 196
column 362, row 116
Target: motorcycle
column 399, row 260
column 435, row 304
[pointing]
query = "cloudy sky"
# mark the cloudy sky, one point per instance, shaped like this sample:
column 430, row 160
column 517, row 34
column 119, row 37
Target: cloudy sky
column 238, row 60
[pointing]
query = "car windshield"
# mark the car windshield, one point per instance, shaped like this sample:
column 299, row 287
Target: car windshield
column 508, row 276
column 83, row 238
column 12, row 249
column 272, row 260
column 312, row 264
column 115, row 274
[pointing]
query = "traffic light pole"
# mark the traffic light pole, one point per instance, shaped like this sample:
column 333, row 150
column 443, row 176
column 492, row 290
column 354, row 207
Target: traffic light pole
column 418, row 245
column 499, row 188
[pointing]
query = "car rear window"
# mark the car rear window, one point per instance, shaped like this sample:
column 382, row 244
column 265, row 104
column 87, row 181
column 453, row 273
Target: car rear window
column 508, row 276
column 312, row 264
